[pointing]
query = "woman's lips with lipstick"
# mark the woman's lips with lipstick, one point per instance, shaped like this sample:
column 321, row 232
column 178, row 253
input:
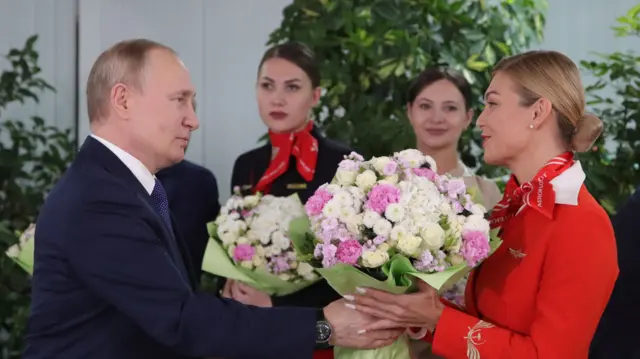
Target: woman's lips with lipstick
column 278, row 115
column 485, row 139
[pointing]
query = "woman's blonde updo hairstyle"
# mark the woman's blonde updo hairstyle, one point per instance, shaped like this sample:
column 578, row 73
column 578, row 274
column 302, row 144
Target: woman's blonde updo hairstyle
column 554, row 76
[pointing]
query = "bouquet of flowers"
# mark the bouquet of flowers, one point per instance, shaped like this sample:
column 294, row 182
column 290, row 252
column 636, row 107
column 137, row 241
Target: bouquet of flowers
column 22, row 252
column 249, row 242
column 387, row 222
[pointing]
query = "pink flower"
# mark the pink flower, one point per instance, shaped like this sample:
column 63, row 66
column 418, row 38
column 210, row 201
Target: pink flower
column 349, row 251
column 316, row 203
column 390, row 168
column 381, row 196
column 475, row 247
column 425, row 172
column 243, row 252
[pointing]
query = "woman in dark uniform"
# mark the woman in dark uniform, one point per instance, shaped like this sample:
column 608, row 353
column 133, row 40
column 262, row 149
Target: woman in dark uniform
column 297, row 158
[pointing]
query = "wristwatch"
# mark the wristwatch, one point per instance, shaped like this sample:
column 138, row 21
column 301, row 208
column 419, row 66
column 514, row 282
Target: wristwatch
column 323, row 331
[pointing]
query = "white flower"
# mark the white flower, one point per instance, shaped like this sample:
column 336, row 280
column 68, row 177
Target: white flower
column 398, row 231
column 370, row 218
column 411, row 158
column 284, row 276
column 13, row 251
column 379, row 163
column 331, row 209
column 353, row 222
column 304, row 269
column 280, row 240
column 409, row 245
column 432, row 236
column 247, row 264
column 389, row 179
column 343, row 197
column 345, row 177
column 374, row 259
column 394, row 212
column 230, row 250
column 251, row 201
column 242, row 240
column 258, row 261
column 366, row 180
column 478, row 209
column 455, row 259
column 382, row 227
column 357, row 193
column 476, row 222
column 332, row 188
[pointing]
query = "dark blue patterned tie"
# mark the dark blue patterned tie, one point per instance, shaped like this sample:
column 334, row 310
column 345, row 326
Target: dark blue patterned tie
column 161, row 202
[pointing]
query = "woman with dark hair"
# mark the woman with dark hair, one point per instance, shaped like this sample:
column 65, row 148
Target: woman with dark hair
column 439, row 109
column 297, row 158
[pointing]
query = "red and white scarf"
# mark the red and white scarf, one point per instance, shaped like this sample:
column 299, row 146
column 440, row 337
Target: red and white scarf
column 537, row 194
column 302, row 145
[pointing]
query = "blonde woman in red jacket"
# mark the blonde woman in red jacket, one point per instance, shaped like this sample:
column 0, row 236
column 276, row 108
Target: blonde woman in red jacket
column 543, row 291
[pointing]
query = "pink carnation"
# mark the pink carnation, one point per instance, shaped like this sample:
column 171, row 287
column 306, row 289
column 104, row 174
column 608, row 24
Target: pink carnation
column 475, row 247
column 381, row 196
column 425, row 172
column 243, row 252
column 316, row 203
column 349, row 251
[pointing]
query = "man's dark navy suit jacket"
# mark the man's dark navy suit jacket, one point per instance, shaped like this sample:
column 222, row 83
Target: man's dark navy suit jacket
column 618, row 334
column 107, row 281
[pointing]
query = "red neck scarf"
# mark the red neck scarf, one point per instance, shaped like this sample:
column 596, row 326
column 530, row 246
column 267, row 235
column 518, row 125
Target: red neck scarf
column 537, row 194
column 302, row 145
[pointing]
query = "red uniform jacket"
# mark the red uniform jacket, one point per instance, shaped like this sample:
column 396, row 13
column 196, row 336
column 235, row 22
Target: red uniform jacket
column 542, row 293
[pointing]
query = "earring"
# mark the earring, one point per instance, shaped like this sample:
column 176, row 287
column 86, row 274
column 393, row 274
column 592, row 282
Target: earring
column 531, row 127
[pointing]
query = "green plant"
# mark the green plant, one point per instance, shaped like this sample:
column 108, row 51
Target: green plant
column 32, row 158
column 613, row 167
column 369, row 51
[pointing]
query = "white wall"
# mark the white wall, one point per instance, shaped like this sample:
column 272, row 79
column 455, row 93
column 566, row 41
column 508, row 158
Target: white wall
column 221, row 43
column 55, row 24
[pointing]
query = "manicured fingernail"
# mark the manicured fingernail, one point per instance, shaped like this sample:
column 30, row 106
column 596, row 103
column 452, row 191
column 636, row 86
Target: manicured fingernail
column 350, row 306
column 362, row 331
column 348, row 297
column 361, row 290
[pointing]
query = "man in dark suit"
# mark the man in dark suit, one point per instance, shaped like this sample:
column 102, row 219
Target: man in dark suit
column 617, row 335
column 112, row 279
column 193, row 198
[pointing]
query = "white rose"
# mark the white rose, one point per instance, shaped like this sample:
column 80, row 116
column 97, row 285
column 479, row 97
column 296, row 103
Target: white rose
column 394, row 212
column 366, row 180
column 411, row 158
column 305, row 269
column 409, row 245
column 374, row 259
column 379, row 163
column 432, row 236
column 243, row 240
column 259, row 261
column 251, row 201
column 455, row 259
column 370, row 218
column 382, row 227
column 478, row 209
column 345, row 177
column 389, row 179
column 357, row 193
column 353, row 223
column 332, row 188
column 476, row 222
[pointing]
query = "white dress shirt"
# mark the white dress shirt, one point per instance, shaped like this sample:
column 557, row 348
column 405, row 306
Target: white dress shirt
column 140, row 171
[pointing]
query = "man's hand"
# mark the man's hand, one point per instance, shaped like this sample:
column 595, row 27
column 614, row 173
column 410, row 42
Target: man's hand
column 348, row 328
column 245, row 294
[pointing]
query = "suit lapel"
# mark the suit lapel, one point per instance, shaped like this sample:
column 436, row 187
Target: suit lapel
column 101, row 154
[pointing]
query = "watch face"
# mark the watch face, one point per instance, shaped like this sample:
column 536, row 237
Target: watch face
column 323, row 332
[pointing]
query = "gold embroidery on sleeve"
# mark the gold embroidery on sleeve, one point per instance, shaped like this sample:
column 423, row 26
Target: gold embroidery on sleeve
column 474, row 338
